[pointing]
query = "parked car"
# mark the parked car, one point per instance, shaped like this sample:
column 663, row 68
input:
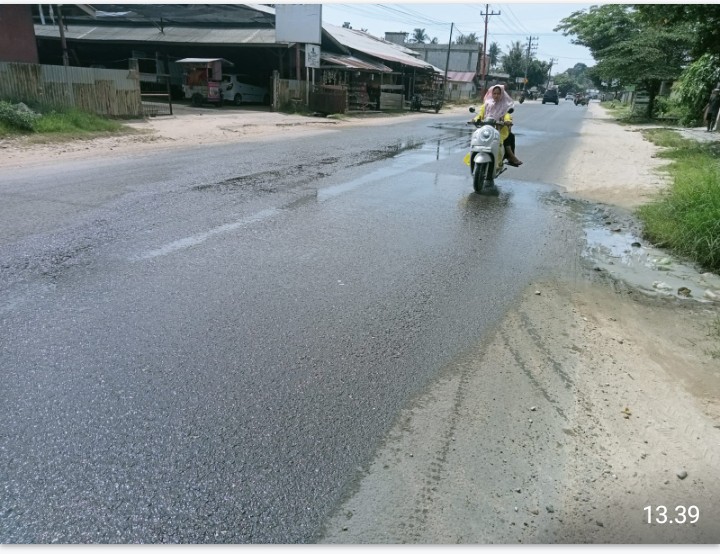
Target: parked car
column 237, row 92
column 551, row 95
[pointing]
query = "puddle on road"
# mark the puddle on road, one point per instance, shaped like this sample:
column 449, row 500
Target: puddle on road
column 613, row 242
column 408, row 156
column 614, row 245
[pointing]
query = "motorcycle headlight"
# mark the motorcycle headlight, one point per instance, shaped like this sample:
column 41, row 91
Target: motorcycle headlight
column 485, row 134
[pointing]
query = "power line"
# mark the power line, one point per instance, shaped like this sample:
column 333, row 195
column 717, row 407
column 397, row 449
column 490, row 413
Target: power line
column 520, row 26
column 418, row 18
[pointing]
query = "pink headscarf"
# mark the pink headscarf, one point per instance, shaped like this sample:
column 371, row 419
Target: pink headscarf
column 497, row 110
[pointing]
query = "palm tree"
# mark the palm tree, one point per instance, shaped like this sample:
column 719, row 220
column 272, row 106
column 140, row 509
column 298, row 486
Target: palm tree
column 419, row 35
column 494, row 53
column 471, row 38
column 514, row 61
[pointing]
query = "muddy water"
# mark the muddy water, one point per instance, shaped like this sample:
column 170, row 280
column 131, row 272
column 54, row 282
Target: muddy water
column 614, row 244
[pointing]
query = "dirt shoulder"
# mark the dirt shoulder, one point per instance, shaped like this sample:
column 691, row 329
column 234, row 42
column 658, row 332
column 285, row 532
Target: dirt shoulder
column 592, row 401
column 186, row 128
column 612, row 164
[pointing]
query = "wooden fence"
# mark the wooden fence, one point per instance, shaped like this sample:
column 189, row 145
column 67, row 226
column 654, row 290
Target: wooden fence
column 288, row 91
column 328, row 99
column 108, row 92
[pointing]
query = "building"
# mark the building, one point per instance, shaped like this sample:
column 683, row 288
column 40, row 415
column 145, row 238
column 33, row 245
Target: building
column 151, row 38
column 17, row 39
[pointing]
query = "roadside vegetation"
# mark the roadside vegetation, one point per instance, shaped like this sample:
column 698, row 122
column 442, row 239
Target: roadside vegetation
column 645, row 46
column 686, row 219
column 621, row 112
column 65, row 124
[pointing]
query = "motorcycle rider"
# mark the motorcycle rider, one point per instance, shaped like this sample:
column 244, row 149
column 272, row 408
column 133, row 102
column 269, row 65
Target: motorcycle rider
column 496, row 104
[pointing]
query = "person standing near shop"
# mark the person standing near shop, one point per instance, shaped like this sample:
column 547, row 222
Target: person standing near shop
column 712, row 109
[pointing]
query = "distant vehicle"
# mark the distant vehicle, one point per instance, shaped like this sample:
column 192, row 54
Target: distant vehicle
column 237, row 92
column 551, row 95
column 569, row 96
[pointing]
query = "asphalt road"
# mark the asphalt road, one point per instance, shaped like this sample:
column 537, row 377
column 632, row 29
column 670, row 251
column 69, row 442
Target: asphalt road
column 203, row 346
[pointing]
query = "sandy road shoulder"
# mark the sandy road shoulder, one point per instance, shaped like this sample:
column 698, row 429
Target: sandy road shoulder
column 612, row 164
column 187, row 128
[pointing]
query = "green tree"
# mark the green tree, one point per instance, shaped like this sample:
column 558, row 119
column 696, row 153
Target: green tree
column 513, row 62
column 691, row 91
column 600, row 26
column 648, row 59
column 565, row 84
column 574, row 79
column 627, row 48
column 494, row 53
column 702, row 19
column 419, row 36
column 471, row 38
column 537, row 73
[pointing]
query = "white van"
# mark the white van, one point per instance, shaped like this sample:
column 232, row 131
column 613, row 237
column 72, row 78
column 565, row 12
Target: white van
column 241, row 93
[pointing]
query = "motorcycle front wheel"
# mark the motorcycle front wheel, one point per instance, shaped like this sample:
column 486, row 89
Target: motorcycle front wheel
column 479, row 175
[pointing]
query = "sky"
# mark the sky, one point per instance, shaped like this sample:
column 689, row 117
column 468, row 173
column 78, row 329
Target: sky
column 515, row 22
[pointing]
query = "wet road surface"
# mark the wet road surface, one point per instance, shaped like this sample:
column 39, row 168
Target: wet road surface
column 205, row 346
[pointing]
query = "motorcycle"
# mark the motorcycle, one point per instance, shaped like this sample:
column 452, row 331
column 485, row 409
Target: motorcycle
column 487, row 154
column 522, row 97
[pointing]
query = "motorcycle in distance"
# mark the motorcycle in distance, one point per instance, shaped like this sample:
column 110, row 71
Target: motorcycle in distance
column 485, row 150
column 522, row 97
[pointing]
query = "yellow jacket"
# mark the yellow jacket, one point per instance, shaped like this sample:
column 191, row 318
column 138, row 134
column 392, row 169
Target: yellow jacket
column 504, row 130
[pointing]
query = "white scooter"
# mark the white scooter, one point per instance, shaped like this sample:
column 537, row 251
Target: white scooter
column 487, row 154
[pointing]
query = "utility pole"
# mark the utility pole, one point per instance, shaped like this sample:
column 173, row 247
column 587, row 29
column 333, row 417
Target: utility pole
column 447, row 63
column 552, row 61
column 484, row 48
column 530, row 47
column 63, row 44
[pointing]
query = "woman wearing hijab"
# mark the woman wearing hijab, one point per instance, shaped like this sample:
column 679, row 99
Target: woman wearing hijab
column 496, row 104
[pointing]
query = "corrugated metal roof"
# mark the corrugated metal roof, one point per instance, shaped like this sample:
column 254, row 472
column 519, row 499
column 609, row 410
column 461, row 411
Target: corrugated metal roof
column 461, row 76
column 178, row 35
column 375, row 47
column 176, row 14
column 205, row 60
column 352, row 62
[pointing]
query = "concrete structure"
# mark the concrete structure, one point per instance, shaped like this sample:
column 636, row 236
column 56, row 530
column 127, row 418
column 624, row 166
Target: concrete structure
column 463, row 57
column 461, row 85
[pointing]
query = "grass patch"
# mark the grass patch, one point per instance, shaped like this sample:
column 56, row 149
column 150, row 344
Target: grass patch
column 667, row 138
column 618, row 110
column 75, row 121
column 8, row 130
column 68, row 124
column 686, row 219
